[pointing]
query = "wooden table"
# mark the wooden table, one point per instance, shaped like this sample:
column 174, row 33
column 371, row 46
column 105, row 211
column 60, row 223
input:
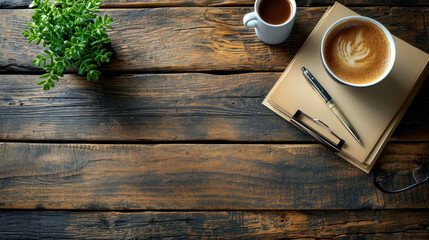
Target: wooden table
column 173, row 141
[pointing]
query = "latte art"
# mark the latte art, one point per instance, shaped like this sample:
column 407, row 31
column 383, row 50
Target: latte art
column 353, row 52
column 357, row 52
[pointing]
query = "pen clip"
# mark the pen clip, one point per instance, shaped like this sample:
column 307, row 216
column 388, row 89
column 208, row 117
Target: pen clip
column 313, row 133
column 336, row 148
column 319, row 122
column 316, row 85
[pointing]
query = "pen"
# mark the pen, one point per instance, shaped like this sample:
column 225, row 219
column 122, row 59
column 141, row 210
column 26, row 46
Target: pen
column 331, row 104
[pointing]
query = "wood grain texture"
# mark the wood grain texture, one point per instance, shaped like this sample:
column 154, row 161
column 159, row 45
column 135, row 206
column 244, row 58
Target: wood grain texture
column 196, row 176
column 376, row 224
column 200, row 39
column 160, row 107
column 184, row 3
column 191, row 107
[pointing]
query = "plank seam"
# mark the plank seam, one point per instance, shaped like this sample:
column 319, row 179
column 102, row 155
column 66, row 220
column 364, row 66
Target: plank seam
column 223, row 5
column 184, row 142
column 214, row 210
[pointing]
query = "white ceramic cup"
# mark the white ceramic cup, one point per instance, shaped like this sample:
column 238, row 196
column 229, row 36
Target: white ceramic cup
column 270, row 33
column 386, row 33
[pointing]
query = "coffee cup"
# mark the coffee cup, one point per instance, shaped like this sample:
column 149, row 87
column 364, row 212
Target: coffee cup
column 272, row 19
column 358, row 51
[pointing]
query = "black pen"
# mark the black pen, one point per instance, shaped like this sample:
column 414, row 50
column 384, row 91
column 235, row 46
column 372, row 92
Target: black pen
column 331, row 104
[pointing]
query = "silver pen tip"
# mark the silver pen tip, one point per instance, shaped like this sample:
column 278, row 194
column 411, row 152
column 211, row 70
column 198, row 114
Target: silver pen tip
column 356, row 137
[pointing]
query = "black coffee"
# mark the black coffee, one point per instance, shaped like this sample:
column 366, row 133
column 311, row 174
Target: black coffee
column 274, row 12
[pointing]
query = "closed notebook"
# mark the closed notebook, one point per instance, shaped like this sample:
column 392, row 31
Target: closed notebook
column 373, row 111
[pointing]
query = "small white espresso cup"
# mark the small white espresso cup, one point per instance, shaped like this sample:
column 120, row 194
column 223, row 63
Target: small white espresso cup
column 389, row 39
column 269, row 33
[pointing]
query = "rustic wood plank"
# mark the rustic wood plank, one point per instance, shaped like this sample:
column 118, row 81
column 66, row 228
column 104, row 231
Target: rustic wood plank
column 160, row 107
column 200, row 39
column 196, row 176
column 364, row 224
column 184, row 3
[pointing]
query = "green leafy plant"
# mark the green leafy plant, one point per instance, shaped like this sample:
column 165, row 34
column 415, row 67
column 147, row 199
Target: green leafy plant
column 75, row 36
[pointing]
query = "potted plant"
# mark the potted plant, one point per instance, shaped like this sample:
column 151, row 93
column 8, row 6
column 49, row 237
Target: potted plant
column 74, row 35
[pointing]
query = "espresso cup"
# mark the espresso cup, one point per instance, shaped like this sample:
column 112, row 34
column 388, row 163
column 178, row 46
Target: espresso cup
column 355, row 53
column 275, row 32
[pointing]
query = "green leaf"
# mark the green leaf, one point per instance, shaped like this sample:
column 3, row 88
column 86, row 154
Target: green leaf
column 96, row 74
column 76, row 55
column 46, row 87
column 55, row 77
column 98, row 21
column 48, row 52
column 32, row 25
column 92, row 66
column 41, row 82
column 82, row 69
column 68, row 54
column 45, row 75
column 68, row 44
column 48, row 67
column 26, row 33
column 67, row 64
column 87, row 61
column 37, row 62
column 89, row 76
column 77, row 63
column 32, row 5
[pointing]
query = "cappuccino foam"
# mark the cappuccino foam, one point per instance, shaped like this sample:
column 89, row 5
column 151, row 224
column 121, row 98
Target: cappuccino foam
column 357, row 51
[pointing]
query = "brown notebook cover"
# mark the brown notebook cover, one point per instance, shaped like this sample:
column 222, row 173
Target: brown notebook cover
column 373, row 111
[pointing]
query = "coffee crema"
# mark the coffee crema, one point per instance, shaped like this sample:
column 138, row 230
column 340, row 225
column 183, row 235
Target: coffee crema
column 274, row 12
column 357, row 51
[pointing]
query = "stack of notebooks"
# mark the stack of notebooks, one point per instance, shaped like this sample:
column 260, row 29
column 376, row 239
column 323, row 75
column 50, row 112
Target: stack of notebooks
column 374, row 111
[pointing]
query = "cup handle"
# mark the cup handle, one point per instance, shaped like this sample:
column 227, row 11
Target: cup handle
column 250, row 20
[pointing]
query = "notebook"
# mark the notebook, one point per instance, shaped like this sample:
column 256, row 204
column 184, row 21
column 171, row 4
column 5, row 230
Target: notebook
column 374, row 111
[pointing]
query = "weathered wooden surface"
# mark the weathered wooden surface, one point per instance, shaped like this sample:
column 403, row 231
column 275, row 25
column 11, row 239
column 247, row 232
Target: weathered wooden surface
column 184, row 3
column 160, row 107
column 196, row 176
column 135, row 104
column 235, row 224
column 200, row 39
